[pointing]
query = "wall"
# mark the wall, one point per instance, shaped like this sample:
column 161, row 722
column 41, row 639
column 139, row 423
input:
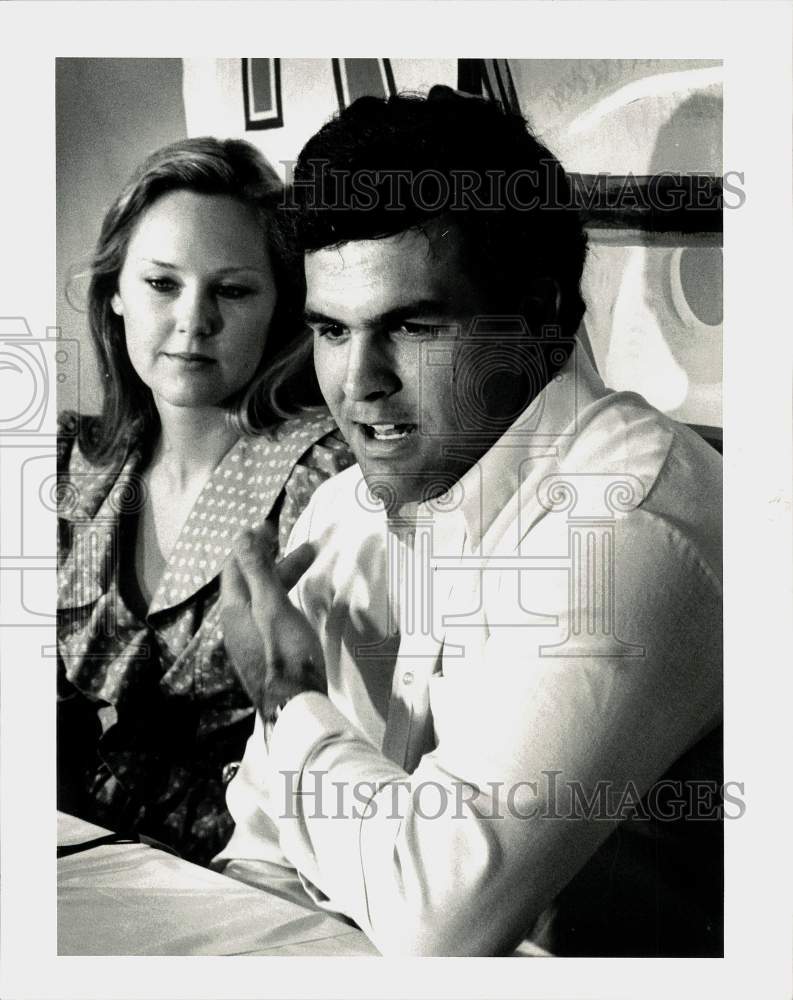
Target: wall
column 214, row 104
column 654, row 311
column 110, row 113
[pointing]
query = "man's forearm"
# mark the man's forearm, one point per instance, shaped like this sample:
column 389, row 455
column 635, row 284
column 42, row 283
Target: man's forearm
column 423, row 863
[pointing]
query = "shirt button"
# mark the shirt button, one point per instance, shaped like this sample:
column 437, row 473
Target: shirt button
column 229, row 770
column 407, row 678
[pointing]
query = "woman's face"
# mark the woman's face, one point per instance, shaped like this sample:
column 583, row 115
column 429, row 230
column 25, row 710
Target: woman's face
column 196, row 293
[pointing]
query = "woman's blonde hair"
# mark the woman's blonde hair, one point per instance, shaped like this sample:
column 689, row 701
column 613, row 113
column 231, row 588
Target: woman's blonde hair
column 284, row 381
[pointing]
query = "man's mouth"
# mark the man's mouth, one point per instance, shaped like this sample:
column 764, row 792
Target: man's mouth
column 387, row 432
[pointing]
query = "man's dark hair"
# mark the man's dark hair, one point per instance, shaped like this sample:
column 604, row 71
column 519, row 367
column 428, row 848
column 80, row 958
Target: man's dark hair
column 383, row 166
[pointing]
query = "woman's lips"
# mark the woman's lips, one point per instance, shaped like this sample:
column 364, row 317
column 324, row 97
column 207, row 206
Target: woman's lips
column 191, row 361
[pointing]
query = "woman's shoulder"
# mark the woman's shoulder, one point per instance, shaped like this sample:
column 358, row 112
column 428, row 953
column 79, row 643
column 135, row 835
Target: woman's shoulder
column 84, row 481
column 310, row 440
column 317, row 453
column 309, row 427
column 75, row 431
column 326, row 452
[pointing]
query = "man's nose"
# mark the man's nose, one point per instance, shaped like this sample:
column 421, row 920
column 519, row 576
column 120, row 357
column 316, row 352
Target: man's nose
column 370, row 371
column 197, row 313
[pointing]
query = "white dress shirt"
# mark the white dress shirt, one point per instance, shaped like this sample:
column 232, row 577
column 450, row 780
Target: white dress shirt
column 549, row 625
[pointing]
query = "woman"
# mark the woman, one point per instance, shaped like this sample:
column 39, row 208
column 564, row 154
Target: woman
column 194, row 314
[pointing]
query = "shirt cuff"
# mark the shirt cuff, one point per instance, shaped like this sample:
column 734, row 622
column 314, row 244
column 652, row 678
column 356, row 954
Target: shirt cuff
column 307, row 722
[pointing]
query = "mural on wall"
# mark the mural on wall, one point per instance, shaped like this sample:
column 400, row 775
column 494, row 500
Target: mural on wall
column 653, row 280
column 654, row 298
column 261, row 93
column 491, row 78
column 356, row 78
column 217, row 93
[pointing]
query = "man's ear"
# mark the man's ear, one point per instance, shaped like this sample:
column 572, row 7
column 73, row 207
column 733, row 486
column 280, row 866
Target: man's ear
column 117, row 305
column 541, row 303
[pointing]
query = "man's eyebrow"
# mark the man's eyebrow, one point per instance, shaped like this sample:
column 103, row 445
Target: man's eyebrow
column 310, row 316
column 432, row 307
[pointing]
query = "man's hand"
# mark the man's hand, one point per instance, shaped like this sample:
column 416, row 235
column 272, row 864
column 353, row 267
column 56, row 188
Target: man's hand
column 274, row 650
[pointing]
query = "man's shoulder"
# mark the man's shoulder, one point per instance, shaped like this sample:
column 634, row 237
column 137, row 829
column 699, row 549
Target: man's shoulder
column 656, row 477
column 624, row 438
column 341, row 502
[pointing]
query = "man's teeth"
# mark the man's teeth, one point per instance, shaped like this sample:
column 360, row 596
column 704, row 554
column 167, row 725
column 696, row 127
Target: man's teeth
column 390, row 432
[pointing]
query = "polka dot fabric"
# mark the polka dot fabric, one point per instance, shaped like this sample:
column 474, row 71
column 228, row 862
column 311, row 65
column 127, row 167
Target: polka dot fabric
column 171, row 713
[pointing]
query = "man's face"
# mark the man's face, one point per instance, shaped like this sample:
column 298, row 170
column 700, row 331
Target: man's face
column 388, row 317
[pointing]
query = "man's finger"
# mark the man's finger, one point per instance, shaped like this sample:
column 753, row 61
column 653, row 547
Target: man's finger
column 233, row 588
column 293, row 566
column 255, row 562
column 266, row 538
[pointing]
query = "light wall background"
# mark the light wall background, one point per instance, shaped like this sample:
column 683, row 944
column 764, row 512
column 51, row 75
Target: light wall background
column 654, row 312
column 110, row 113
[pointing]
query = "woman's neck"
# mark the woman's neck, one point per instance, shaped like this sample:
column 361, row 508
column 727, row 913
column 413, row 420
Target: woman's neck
column 191, row 444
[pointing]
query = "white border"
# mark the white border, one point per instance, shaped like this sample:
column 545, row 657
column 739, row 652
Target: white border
column 755, row 42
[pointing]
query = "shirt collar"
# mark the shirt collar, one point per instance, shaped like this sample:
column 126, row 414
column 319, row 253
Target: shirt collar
column 239, row 495
column 534, row 445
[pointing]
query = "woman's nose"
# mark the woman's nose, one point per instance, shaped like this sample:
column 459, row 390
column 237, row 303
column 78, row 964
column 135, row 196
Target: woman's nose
column 198, row 314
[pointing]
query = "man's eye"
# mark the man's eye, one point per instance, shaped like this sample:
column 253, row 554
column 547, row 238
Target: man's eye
column 161, row 284
column 330, row 331
column 234, row 291
column 410, row 329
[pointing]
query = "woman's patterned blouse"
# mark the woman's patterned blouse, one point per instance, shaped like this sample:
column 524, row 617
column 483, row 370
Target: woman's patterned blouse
column 151, row 716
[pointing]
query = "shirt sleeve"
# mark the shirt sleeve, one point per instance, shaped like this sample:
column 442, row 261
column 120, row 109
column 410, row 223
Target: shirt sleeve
column 461, row 856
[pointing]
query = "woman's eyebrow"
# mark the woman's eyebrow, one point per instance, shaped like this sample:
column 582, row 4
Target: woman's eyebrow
column 159, row 263
column 229, row 269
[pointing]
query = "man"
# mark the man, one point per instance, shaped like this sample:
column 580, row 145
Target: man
column 482, row 716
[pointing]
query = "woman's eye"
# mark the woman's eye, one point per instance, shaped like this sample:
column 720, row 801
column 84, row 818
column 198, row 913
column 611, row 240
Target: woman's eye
column 161, row 284
column 233, row 291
